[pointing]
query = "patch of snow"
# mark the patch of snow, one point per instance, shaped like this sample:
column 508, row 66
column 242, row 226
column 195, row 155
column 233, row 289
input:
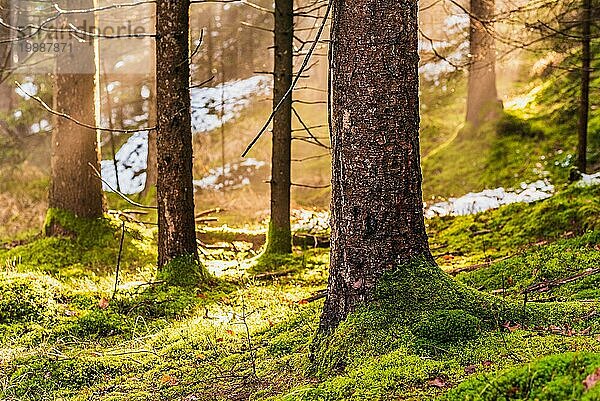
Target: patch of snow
column 235, row 96
column 587, row 180
column 472, row 203
column 131, row 165
column 236, row 175
column 206, row 112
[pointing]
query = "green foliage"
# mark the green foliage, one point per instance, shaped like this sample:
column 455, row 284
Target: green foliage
column 556, row 377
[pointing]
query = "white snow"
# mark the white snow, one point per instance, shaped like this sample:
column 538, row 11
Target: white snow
column 235, row 96
column 206, row 116
column 587, row 180
column 236, row 175
column 472, row 203
column 131, row 165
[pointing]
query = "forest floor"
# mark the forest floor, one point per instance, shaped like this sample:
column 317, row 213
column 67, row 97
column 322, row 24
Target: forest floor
column 246, row 334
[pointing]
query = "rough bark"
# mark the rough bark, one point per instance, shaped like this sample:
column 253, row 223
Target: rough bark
column 175, row 192
column 584, row 102
column 279, row 240
column 377, row 206
column 74, row 186
column 482, row 97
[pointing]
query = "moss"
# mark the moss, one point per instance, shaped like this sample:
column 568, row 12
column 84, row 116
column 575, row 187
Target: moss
column 184, row 271
column 510, row 124
column 27, row 297
column 448, row 326
column 92, row 247
column 556, row 377
column 39, row 378
column 279, row 241
column 561, row 259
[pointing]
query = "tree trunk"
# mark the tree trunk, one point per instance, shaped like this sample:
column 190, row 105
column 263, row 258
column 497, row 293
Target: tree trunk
column 6, row 91
column 175, row 191
column 482, row 97
column 377, row 206
column 279, row 240
column 584, row 105
column 75, row 187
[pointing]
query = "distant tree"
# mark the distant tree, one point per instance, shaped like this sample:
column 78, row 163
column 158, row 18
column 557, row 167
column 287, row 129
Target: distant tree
column 584, row 103
column 482, row 96
column 377, row 206
column 74, row 186
column 6, row 90
column 279, row 239
column 175, row 191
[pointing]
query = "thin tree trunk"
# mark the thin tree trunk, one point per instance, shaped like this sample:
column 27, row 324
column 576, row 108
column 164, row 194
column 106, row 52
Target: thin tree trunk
column 584, row 105
column 75, row 187
column 6, row 90
column 279, row 240
column 482, row 97
column 377, row 206
column 175, row 191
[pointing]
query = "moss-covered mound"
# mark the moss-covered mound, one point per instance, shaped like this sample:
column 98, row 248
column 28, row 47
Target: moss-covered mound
column 568, row 376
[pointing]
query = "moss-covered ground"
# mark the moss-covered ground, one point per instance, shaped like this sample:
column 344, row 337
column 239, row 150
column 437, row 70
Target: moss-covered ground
column 247, row 332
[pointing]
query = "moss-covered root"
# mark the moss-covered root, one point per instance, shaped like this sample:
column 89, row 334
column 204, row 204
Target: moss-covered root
column 419, row 308
column 279, row 241
column 62, row 223
column 184, row 271
column 569, row 376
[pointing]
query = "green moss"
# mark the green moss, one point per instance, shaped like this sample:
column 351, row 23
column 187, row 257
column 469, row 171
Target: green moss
column 184, row 271
column 510, row 124
column 27, row 297
column 448, row 326
column 556, row 377
column 39, row 378
column 279, row 241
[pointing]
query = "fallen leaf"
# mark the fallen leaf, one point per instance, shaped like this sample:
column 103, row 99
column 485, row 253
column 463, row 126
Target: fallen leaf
column 167, row 379
column 303, row 302
column 437, row 382
column 201, row 295
column 103, row 303
column 470, row 369
column 591, row 380
column 487, row 364
column 230, row 332
column 219, row 340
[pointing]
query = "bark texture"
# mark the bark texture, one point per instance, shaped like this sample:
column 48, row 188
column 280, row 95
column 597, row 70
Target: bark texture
column 377, row 206
column 74, row 186
column 482, row 97
column 584, row 102
column 279, row 240
column 175, row 192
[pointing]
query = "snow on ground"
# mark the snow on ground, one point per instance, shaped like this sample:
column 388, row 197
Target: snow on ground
column 236, row 175
column 472, row 203
column 131, row 165
column 234, row 96
column 587, row 180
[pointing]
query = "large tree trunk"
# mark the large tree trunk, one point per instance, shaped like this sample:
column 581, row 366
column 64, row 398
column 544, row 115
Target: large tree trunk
column 75, row 187
column 377, row 207
column 175, row 191
column 279, row 240
column 482, row 97
column 584, row 103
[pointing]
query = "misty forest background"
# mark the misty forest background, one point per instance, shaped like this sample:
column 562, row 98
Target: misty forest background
column 299, row 200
